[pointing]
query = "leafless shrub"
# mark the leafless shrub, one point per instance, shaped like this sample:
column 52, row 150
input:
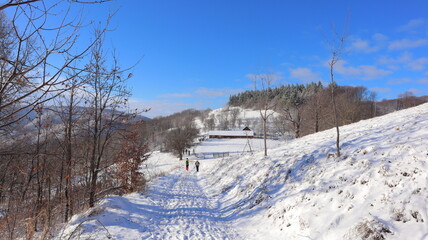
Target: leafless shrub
column 399, row 215
column 368, row 230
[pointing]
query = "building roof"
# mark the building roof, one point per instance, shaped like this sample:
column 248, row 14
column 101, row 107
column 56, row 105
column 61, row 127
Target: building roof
column 231, row 133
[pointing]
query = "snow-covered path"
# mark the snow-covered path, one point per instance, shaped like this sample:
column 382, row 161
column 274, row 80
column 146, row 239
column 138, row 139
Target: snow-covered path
column 176, row 206
column 182, row 210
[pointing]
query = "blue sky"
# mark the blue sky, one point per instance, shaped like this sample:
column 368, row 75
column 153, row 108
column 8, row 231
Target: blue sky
column 198, row 52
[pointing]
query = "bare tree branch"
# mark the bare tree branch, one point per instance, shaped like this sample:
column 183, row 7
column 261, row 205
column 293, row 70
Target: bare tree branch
column 16, row 3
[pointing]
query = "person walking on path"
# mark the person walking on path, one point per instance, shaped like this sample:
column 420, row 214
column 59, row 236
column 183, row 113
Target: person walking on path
column 197, row 165
column 187, row 164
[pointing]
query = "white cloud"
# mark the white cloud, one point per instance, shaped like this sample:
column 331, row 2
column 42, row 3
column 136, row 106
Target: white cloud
column 405, row 60
column 305, row 75
column 360, row 45
column 371, row 72
column 217, row 92
column 397, row 81
column 393, row 67
column 275, row 76
column 365, row 72
column 381, row 90
column 407, row 80
column 423, row 80
column 407, row 44
column 374, row 44
column 379, row 37
column 175, row 95
column 412, row 25
column 418, row 64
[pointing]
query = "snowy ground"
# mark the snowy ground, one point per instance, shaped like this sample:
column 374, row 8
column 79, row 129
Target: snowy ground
column 376, row 190
column 175, row 207
column 177, row 204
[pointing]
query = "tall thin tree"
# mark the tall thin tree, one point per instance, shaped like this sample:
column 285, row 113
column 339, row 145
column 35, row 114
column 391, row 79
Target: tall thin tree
column 264, row 83
column 336, row 45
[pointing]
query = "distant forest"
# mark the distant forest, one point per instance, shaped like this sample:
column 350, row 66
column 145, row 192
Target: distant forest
column 306, row 109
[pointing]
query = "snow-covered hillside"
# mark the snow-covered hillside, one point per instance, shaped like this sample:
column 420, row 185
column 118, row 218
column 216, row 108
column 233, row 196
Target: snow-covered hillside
column 377, row 189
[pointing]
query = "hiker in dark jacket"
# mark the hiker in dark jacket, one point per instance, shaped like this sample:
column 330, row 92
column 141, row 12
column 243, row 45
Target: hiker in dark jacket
column 197, row 165
column 187, row 164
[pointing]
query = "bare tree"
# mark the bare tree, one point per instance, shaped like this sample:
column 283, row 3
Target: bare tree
column 33, row 44
column 407, row 100
column 264, row 82
column 354, row 104
column 234, row 116
column 317, row 112
column 41, row 59
column 107, row 94
column 314, row 108
column 69, row 111
column 210, row 123
column 280, row 127
column 224, row 120
column 180, row 138
column 293, row 108
column 337, row 49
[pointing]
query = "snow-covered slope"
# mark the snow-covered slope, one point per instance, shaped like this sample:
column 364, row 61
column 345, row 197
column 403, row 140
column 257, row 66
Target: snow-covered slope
column 376, row 190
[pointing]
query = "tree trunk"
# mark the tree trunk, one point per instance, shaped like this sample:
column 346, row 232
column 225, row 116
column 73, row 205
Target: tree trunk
column 316, row 121
column 93, row 189
column 68, row 159
column 265, row 133
column 317, row 113
column 336, row 120
column 297, row 124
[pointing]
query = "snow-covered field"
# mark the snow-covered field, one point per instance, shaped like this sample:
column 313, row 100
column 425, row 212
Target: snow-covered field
column 376, row 190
